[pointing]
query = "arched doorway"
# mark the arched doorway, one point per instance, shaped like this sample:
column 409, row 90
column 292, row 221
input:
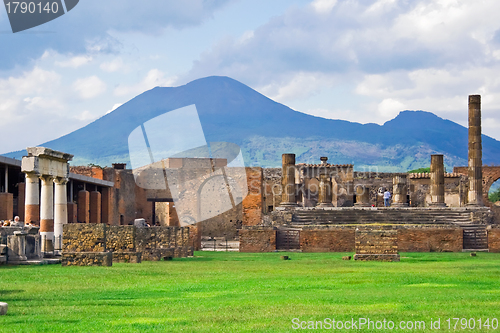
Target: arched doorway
column 494, row 192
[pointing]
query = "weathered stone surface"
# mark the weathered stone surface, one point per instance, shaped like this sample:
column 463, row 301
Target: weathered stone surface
column 120, row 238
column 127, row 257
column 3, row 308
column 84, row 237
column 257, row 239
column 87, row 259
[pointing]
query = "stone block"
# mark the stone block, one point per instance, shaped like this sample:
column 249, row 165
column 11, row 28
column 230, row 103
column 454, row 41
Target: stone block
column 3, row 308
column 157, row 254
column 87, row 259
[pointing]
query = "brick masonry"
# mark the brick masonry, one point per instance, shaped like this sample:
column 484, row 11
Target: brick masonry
column 328, row 239
column 257, row 239
column 494, row 239
column 430, row 239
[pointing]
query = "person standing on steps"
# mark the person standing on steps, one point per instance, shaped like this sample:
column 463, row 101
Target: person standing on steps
column 387, row 198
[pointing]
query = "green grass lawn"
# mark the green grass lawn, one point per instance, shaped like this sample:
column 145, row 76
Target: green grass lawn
column 238, row 292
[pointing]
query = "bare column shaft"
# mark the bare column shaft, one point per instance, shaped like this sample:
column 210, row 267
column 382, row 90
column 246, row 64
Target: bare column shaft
column 437, row 181
column 475, row 152
column 288, row 180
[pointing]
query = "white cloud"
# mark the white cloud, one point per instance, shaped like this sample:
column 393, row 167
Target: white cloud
column 75, row 62
column 154, row 78
column 89, row 87
column 116, row 106
column 389, row 108
column 113, row 65
column 324, row 6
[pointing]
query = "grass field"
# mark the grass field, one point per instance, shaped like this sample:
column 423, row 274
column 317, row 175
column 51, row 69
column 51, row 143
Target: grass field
column 237, row 292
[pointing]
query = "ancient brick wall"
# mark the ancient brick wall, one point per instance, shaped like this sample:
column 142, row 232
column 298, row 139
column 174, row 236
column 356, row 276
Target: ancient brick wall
column 430, row 239
column 89, row 171
column 494, row 239
column 329, row 239
column 257, row 239
column 87, row 259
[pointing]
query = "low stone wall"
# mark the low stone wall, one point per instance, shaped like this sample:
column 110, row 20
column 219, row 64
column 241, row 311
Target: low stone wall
column 87, row 259
column 494, row 239
column 257, row 239
column 126, row 243
column 327, row 239
column 430, row 239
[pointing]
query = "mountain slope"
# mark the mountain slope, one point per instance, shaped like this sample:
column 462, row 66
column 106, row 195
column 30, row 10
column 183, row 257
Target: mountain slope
column 231, row 111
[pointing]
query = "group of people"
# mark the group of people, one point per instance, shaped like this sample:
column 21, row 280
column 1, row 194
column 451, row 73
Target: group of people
column 15, row 223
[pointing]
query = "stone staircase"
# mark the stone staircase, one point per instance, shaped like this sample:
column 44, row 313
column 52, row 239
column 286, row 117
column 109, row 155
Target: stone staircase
column 381, row 216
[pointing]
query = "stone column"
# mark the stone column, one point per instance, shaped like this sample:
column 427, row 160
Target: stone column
column 362, row 196
column 17, row 246
column 437, row 181
column 47, row 213
column 60, row 211
column 400, row 191
column 288, row 180
column 95, row 207
column 32, row 199
column 475, row 196
column 325, row 191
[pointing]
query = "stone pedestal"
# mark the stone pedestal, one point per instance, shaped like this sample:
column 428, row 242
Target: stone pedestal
column 437, row 181
column 3, row 308
column 17, row 246
column 400, row 191
column 362, row 196
column 376, row 243
column 475, row 195
column 325, row 191
column 288, row 181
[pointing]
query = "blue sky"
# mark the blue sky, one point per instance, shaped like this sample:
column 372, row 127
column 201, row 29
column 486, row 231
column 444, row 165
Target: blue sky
column 356, row 60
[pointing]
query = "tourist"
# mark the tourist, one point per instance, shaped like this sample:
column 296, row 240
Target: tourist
column 387, row 198
column 16, row 222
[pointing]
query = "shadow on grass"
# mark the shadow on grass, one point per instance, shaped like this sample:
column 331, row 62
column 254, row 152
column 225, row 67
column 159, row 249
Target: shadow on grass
column 7, row 292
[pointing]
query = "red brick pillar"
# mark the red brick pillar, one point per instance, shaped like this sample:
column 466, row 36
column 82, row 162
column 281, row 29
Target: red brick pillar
column 95, row 207
column 72, row 213
column 6, row 206
column 83, row 206
column 106, row 206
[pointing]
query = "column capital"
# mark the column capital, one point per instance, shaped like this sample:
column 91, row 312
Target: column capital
column 61, row 180
column 32, row 175
column 46, row 179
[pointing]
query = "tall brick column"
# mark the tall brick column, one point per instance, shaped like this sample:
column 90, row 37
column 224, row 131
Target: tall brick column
column 83, row 206
column 475, row 196
column 60, row 210
column 47, row 213
column 437, row 181
column 400, row 191
column 288, row 180
column 32, row 199
column 95, row 207
column 325, row 191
